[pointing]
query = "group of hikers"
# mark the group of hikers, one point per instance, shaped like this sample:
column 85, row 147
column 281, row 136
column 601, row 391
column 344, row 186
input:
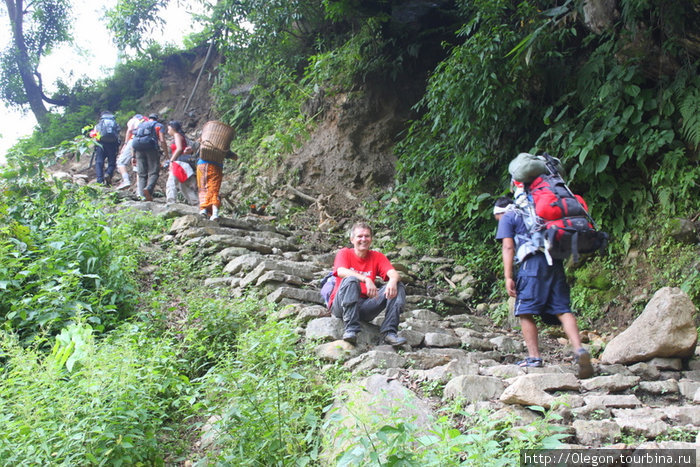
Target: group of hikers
column 143, row 147
column 543, row 226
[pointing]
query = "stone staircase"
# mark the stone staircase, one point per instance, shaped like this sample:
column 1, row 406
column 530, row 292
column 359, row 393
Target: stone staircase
column 459, row 354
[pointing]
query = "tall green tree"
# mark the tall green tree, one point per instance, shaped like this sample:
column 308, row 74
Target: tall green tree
column 37, row 27
column 131, row 20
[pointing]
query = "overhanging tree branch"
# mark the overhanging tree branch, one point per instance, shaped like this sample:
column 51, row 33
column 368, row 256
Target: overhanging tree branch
column 33, row 35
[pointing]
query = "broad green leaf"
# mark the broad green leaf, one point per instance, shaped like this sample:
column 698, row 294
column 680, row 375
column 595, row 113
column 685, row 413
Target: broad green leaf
column 601, row 163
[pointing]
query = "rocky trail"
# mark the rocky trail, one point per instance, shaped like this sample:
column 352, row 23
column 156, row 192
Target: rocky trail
column 636, row 399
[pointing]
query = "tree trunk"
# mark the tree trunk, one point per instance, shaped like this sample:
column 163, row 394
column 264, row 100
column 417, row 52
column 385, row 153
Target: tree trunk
column 15, row 8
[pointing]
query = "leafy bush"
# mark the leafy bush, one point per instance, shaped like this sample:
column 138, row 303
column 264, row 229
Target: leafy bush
column 477, row 114
column 485, row 441
column 369, row 55
column 267, row 115
column 213, row 327
column 269, row 397
column 64, row 259
column 620, row 140
column 108, row 410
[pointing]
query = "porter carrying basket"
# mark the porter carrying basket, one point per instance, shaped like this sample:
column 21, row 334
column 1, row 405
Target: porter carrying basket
column 216, row 140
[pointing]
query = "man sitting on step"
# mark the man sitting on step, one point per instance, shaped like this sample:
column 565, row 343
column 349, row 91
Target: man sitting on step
column 356, row 298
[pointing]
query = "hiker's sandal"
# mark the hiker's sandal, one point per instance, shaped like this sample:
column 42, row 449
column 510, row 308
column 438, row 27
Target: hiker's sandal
column 530, row 362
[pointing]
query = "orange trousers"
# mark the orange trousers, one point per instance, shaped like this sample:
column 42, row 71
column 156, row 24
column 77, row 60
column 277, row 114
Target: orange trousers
column 209, row 177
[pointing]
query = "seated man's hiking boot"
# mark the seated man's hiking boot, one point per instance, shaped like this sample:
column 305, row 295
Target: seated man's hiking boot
column 350, row 336
column 584, row 369
column 392, row 338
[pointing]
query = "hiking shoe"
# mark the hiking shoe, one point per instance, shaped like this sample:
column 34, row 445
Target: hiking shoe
column 147, row 194
column 203, row 213
column 392, row 338
column 214, row 218
column 123, row 185
column 108, row 180
column 584, row 369
column 532, row 362
column 350, row 336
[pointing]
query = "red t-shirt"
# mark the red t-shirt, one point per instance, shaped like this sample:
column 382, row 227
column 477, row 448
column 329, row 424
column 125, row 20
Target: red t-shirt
column 373, row 265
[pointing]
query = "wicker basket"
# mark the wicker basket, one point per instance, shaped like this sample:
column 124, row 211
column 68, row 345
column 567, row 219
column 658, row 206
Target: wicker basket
column 217, row 135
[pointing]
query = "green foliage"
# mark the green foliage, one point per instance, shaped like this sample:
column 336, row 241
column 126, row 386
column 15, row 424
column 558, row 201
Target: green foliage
column 132, row 80
column 131, row 20
column 120, row 93
column 594, row 289
column 629, row 143
column 673, row 265
column 271, row 30
column 267, row 117
column 378, row 51
column 108, row 410
column 499, row 315
column 11, row 86
column 261, row 88
column 73, row 345
column 387, row 440
column 211, row 322
column 63, row 259
column 620, row 139
column 477, row 114
column 678, row 434
column 688, row 108
column 269, row 396
column 596, row 284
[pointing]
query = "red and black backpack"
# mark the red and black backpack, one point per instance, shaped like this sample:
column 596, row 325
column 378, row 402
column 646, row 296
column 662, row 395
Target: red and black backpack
column 566, row 225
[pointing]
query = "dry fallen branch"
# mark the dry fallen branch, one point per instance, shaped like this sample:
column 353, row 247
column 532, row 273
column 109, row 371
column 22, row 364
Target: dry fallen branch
column 319, row 203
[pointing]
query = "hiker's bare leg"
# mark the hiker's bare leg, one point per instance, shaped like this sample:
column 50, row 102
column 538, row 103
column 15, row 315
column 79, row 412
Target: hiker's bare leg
column 124, row 173
column 529, row 327
column 568, row 322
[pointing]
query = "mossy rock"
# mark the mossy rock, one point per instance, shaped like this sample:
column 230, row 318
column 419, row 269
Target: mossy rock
column 594, row 277
column 682, row 230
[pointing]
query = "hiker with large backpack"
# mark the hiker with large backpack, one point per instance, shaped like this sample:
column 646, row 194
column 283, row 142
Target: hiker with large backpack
column 540, row 289
column 148, row 143
column 557, row 219
column 106, row 133
column 545, row 225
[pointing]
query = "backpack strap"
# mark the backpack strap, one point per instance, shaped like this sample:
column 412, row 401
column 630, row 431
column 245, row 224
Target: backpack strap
column 574, row 247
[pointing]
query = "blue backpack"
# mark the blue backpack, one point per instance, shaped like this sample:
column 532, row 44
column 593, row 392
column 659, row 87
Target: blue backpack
column 146, row 137
column 327, row 286
column 108, row 129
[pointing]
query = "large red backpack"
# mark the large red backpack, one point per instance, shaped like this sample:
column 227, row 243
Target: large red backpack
column 567, row 227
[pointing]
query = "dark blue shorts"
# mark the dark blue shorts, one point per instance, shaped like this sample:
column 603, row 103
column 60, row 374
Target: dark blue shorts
column 541, row 288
